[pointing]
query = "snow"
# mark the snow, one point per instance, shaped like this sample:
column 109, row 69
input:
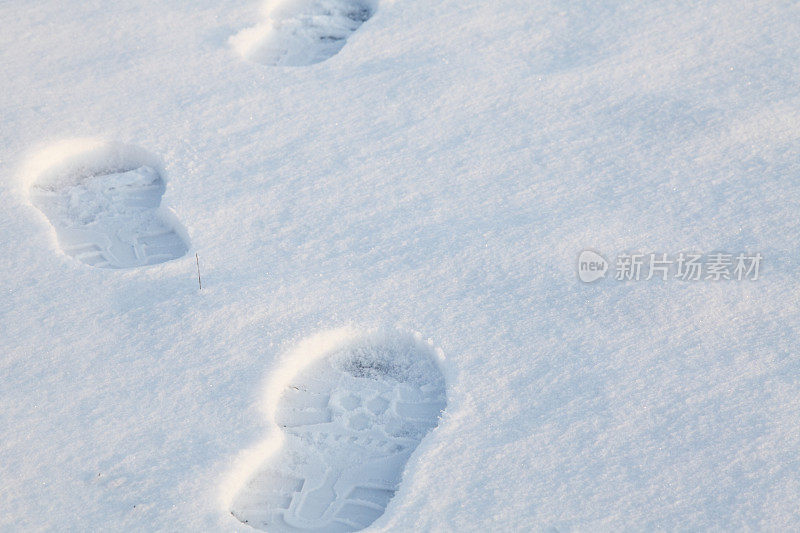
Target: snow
column 441, row 173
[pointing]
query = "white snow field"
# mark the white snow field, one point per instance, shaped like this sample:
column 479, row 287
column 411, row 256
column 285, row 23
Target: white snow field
column 432, row 173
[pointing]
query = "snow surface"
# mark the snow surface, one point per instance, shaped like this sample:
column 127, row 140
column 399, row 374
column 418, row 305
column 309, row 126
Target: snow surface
column 441, row 173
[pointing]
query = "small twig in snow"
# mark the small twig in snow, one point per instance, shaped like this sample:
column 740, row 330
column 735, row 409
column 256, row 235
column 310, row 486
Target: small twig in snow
column 197, row 260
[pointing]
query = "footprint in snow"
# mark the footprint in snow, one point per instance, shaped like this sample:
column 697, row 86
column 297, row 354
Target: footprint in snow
column 303, row 32
column 351, row 418
column 103, row 200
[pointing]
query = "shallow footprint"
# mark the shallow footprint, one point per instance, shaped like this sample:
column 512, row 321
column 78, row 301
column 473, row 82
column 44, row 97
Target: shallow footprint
column 103, row 201
column 351, row 419
column 303, row 32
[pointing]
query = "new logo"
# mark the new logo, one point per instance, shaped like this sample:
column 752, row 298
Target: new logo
column 591, row 266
